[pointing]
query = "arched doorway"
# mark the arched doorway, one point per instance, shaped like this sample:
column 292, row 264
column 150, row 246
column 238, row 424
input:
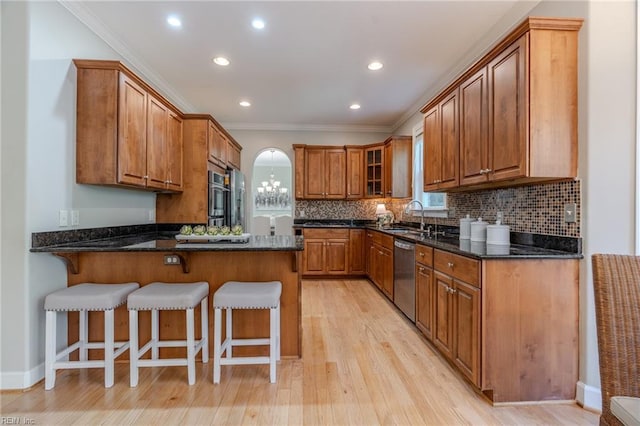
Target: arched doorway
column 272, row 194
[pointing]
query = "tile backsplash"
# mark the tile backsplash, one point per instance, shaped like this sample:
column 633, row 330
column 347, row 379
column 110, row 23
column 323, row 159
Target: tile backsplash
column 537, row 209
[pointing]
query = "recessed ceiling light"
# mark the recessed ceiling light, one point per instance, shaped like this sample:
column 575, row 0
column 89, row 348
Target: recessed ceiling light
column 258, row 24
column 245, row 104
column 375, row 66
column 221, row 60
column 174, row 21
column 355, row 106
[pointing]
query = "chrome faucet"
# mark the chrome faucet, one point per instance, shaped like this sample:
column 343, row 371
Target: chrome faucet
column 406, row 209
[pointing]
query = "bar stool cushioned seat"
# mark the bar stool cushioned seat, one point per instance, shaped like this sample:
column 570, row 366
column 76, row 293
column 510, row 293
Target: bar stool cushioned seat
column 246, row 295
column 157, row 297
column 84, row 298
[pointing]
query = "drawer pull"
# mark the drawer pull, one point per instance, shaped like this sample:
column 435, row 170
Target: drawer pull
column 421, row 254
column 450, row 264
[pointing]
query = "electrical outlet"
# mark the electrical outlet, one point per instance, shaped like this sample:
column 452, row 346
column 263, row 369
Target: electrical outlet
column 171, row 259
column 63, row 218
column 570, row 212
column 75, row 218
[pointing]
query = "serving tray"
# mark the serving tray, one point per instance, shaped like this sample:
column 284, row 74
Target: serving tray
column 243, row 238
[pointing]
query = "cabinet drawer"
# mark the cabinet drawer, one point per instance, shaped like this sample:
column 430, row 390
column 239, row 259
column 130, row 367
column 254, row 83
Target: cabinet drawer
column 374, row 236
column 386, row 241
column 326, row 233
column 424, row 255
column 460, row 267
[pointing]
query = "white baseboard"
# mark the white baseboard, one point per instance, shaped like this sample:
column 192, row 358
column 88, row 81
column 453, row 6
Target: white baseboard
column 589, row 397
column 21, row 380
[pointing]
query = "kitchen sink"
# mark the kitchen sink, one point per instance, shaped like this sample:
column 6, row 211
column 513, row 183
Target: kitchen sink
column 398, row 231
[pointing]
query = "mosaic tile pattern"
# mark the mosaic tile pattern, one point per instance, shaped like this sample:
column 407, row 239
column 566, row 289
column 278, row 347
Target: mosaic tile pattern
column 537, row 209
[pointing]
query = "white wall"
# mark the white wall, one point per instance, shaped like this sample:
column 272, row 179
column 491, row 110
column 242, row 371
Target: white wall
column 606, row 134
column 38, row 172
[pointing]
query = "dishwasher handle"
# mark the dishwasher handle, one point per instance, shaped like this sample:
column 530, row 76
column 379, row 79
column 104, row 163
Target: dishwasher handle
column 404, row 246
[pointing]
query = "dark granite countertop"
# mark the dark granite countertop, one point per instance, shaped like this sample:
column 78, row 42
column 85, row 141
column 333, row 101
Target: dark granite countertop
column 534, row 246
column 150, row 238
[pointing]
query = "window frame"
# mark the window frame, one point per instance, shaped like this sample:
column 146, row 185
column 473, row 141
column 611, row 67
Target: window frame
column 429, row 211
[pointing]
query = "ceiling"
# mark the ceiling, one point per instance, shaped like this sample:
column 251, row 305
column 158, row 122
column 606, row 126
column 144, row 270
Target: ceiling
column 306, row 67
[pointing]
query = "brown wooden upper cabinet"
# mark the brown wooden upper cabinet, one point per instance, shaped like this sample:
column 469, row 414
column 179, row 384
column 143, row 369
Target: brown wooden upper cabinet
column 324, row 173
column 355, row 172
column 126, row 134
column 374, row 171
column 440, row 135
column 234, row 153
column 517, row 110
column 217, row 146
column 398, row 167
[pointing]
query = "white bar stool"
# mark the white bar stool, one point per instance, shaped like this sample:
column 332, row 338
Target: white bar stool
column 246, row 295
column 84, row 298
column 156, row 297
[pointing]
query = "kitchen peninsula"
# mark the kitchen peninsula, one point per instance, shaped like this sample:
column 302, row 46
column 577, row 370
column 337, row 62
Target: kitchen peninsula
column 149, row 253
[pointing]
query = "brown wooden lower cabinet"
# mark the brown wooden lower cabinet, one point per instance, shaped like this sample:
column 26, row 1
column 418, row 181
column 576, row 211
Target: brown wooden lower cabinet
column 424, row 290
column 380, row 261
column 510, row 326
column 326, row 251
column 356, row 251
column 334, row 251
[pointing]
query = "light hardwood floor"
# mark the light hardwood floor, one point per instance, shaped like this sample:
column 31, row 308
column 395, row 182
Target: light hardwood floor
column 362, row 364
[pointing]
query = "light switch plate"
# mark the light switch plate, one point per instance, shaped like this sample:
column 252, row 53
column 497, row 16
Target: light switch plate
column 75, row 218
column 570, row 212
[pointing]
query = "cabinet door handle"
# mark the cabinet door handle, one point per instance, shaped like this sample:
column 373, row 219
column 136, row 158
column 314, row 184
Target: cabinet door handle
column 379, row 252
column 421, row 254
column 450, row 264
column 421, row 269
column 145, row 177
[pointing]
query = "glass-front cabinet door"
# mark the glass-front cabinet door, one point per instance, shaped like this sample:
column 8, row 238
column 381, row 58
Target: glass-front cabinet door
column 374, row 162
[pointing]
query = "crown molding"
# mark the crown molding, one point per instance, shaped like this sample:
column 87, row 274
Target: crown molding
column 84, row 15
column 286, row 127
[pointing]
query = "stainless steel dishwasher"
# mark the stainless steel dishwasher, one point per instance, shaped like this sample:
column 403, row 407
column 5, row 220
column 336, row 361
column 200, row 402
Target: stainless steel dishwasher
column 404, row 280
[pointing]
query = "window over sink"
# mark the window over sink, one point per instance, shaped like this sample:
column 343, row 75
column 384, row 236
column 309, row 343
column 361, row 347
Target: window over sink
column 434, row 203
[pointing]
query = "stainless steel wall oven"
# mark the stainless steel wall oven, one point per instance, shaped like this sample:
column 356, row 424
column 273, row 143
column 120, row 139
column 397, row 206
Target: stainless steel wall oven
column 217, row 198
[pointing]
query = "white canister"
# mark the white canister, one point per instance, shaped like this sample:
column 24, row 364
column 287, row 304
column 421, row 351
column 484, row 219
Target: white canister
column 465, row 228
column 498, row 249
column 479, row 231
column 498, row 234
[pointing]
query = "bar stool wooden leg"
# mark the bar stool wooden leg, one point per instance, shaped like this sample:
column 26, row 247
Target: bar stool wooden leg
column 191, row 350
column 217, row 319
column 84, row 335
column 50, row 350
column 229, row 333
column 133, row 348
column 272, row 343
column 155, row 335
column 108, row 348
column 278, row 331
column 204, row 327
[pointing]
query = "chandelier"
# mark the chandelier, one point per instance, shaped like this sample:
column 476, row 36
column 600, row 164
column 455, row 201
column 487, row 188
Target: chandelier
column 270, row 195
